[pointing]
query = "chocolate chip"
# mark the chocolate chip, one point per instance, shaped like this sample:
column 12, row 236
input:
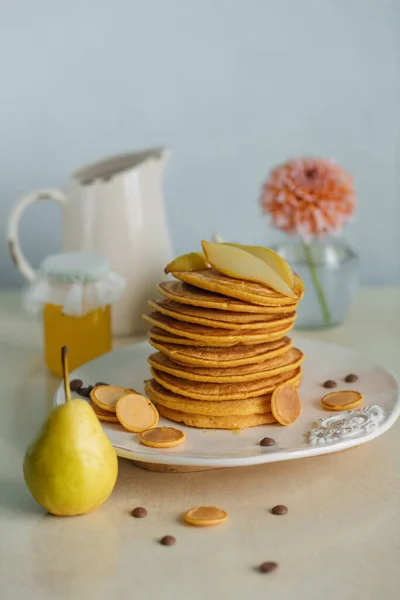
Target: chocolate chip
column 351, row 378
column 267, row 441
column 329, row 384
column 75, row 385
column 85, row 391
column 139, row 512
column 268, row 567
column 100, row 383
column 168, row 540
column 279, row 509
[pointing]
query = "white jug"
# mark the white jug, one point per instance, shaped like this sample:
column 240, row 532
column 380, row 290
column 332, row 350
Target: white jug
column 114, row 208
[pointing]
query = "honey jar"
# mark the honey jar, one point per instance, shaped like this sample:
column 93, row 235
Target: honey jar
column 75, row 291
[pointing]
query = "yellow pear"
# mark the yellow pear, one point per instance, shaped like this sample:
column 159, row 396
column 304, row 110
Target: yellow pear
column 239, row 264
column 273, row 259
column 194, row 261
column 71, row 467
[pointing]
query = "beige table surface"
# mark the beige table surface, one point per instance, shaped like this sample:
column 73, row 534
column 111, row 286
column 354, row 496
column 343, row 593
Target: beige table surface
column 340, row 539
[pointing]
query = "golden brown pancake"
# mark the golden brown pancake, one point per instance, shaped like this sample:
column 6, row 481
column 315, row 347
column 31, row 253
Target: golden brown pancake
column 216, row 337
column 223, row 391
column 222, row 357
column 182, row 293
column 160, row 395
column 274, row 366
column 211, row 422
column 220, row 319
column 211, row 280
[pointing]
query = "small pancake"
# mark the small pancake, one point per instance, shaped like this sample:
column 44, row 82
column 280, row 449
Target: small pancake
column 182, row 293
column 223, row 408
column 220, row 319
column 224, row 391
column 256, row 293
column 289, row 361
column 222, row 357
column 210, row 422
column 214, row 337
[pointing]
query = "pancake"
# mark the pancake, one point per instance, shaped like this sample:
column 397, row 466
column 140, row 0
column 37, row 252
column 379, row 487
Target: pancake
column 222, row 357
column 213, row 281
column 288, row 362
column 215, row 337
column 160, row 335
column 182, row 293
column 220, row 319
column 211, row 422
column 223, row 391
column 159, row 395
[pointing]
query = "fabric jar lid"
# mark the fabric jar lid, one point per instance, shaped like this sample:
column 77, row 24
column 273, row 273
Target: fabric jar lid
column 70, row 267
column 79, row 282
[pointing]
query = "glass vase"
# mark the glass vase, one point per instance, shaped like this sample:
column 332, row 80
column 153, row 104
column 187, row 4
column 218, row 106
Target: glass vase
column 329, row 271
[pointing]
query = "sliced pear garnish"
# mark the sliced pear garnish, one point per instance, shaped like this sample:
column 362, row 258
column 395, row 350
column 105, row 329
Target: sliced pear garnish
column 240, row 264
column 273, row 259
column 194, row 261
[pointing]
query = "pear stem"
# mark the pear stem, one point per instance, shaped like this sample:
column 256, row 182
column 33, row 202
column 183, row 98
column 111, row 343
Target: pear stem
column 64, row 362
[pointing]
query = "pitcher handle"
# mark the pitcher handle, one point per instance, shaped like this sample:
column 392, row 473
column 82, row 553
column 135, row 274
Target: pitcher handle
column 14, row 246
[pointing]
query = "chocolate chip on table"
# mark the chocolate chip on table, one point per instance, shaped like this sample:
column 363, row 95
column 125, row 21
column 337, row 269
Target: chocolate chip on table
column 267, row 441
column 351, row 378
column 85, row 391
column 329, row 383
column 279, row 509
column 75, row 385
column 139, row 512
column 268, row 567
column 168, row 540
column 100, row 383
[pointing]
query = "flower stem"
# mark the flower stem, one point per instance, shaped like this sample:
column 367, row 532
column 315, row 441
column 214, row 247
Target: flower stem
column 317, row 284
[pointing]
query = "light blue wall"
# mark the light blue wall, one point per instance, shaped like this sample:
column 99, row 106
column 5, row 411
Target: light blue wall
column 232, row 87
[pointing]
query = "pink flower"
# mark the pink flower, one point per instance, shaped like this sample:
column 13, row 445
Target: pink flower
column 310, row 197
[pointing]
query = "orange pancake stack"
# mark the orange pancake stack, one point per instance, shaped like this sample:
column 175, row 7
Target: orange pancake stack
column 220, row 335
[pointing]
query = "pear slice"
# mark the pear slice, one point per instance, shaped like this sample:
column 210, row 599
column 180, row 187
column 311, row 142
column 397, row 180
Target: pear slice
column 273, row 259
column 194, row 261
column 239, row 264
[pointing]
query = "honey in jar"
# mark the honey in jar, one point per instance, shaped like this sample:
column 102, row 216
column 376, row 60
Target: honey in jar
column 75, row 291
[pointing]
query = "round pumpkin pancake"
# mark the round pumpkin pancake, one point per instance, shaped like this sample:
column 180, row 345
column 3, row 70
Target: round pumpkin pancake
column 211, row 422
column 251, row 406
column 220, row 319
column 221, row 357
column 280, row 364
column 215, row 337
column 182, row 293
column 224, row 391
column 256, row 293
column 160, row 335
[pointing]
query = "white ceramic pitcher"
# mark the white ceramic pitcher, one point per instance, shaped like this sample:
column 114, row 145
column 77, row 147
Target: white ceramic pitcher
column 115, row 208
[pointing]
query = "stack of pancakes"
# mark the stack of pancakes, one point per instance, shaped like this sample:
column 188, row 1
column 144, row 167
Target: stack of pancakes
column 221, row 349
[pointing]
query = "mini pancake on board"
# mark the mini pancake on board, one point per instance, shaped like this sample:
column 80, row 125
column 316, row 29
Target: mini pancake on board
column 211, row 336
column 224, row 391
column 289, row 361
column 251, row 406
column 256, row 293
column 182, row 293
column 211, row 422
column 219, row 319
column 222, row 357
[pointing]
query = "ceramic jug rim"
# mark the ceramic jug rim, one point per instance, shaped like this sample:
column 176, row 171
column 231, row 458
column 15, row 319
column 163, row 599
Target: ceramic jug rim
column 115, row 165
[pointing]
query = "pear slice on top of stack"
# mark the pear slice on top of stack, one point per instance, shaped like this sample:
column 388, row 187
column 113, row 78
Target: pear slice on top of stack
column 240, row 264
